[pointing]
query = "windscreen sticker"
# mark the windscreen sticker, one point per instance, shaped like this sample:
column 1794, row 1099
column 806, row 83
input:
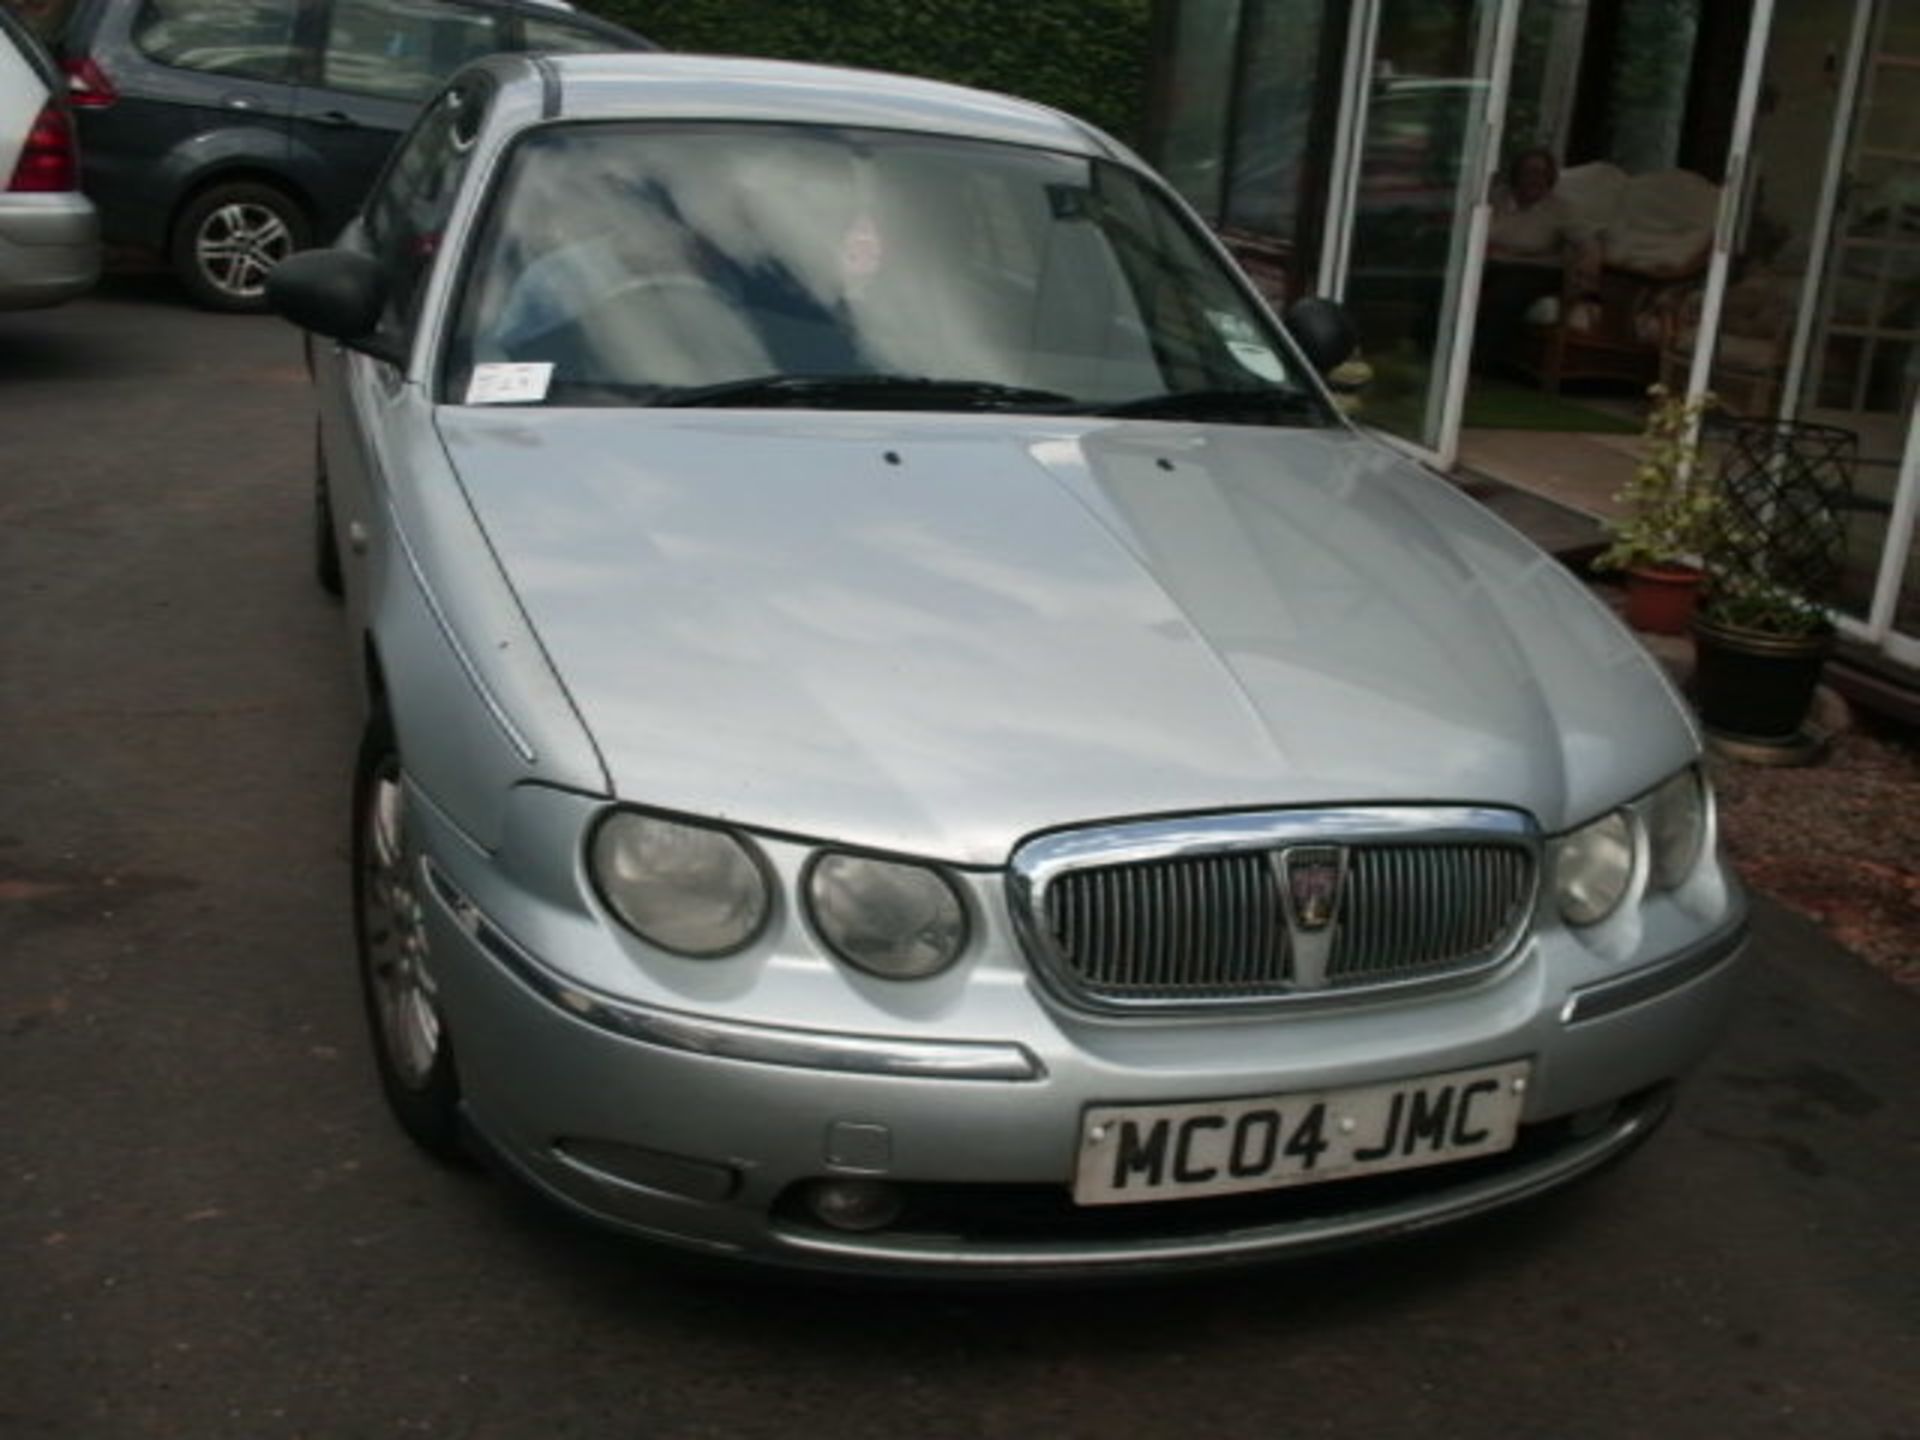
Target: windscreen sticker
column 860, row 251
column 500, row 384
column 1243, row 342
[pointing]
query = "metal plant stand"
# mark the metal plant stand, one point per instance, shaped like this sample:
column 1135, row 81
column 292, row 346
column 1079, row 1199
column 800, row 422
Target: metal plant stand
column 1785, row 488
column 1773, row 572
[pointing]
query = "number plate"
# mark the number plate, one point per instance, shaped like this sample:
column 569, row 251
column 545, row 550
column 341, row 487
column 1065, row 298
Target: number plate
column 1131, row 1153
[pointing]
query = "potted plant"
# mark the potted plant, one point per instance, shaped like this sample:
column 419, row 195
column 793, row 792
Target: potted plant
column 1759, row 648
column 1773, row 556
column 1667, row 514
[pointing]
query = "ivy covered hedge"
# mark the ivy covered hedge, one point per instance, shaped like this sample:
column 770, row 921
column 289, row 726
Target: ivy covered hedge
column 1088, row 57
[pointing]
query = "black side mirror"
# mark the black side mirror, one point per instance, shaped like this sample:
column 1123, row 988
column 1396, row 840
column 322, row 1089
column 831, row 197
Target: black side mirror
column 1323, row 330
column 337, row 293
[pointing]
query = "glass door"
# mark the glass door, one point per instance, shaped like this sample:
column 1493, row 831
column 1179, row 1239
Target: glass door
column 1420, row 131
column 1895, row 619
column 1735, row 199
column 1857, row 358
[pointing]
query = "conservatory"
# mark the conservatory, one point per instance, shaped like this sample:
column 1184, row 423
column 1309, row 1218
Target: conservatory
column 1733, row 194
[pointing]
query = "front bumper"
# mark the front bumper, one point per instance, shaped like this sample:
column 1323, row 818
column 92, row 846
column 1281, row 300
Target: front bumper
column 49, row 249
column 698, row 1129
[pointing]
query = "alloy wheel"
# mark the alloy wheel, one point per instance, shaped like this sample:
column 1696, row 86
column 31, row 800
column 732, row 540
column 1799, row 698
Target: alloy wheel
column 394, row 925
column 238, row 244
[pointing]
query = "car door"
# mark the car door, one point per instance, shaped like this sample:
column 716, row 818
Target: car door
column 358, row 395
column 374, row 63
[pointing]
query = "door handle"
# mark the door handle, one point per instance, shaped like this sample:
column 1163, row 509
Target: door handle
column 241, row 101
column 333, row 119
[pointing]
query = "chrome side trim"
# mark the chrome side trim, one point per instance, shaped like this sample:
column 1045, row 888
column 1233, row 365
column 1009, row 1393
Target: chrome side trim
column 730, row 1039
column 1290, row 1238
column 1038, row 862
column 472, row 671
column 1610, row 996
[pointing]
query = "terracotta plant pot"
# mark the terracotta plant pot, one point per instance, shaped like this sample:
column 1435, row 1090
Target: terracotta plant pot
column 1661, row 598
column 1755, row 687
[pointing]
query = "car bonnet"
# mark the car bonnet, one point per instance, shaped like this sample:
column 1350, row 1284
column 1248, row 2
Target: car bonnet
column 940, row 634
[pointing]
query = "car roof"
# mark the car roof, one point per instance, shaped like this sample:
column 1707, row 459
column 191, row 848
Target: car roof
column 709, row 87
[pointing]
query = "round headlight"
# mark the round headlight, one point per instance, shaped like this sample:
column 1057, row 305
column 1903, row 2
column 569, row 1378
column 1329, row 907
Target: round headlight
column 897, row 921
column 690, row 889
column 1593, row 868
column 1677, row 827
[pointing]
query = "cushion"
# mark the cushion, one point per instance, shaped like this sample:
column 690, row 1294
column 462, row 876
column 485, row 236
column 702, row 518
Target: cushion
column 1662, row 224
column 1593, row 190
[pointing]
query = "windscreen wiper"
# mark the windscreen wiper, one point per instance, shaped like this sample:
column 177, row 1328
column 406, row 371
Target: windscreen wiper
column 883, row 392
column 1259, row 404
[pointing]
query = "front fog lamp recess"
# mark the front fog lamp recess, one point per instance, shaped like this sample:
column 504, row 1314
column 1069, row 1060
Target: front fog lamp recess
column 1593, row 869
column 891, row 919
column 854, row 1204
column 692, row 889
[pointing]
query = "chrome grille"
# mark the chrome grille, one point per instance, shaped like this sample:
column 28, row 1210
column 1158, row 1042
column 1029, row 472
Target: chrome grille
column 1173, row 929
column 1409, row 911
column 1212, row 928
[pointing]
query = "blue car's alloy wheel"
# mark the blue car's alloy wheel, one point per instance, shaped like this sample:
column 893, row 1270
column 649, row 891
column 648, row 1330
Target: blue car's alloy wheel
column 229, row 237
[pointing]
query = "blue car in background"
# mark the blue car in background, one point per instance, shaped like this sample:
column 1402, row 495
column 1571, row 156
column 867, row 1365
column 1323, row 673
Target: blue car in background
column 226, row 134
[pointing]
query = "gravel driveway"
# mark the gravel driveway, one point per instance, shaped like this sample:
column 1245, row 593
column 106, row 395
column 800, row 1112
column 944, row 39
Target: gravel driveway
column 1838, row 841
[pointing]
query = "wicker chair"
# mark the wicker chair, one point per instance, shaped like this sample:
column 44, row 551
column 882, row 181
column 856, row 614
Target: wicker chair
column 1654, row 234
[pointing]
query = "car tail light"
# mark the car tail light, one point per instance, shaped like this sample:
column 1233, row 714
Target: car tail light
column 88, row 86
column 48, row 161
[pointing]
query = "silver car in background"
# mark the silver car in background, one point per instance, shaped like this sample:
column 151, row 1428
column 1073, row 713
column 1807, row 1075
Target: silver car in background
column 49, row 234
column 905, row 734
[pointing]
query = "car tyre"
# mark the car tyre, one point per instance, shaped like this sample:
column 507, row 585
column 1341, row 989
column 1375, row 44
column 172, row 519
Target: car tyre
column 326, row 549
column 230, row 236
column 411, row 1047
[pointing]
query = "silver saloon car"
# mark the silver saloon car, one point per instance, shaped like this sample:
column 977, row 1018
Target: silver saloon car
column 904, row 732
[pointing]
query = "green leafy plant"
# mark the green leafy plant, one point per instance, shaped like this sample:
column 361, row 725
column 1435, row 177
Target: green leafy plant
column 1745, row 602
column 1669, row 508
column 1087, row 57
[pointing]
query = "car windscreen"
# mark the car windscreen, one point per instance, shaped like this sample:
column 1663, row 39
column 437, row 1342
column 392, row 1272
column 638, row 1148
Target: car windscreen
column 745, row 263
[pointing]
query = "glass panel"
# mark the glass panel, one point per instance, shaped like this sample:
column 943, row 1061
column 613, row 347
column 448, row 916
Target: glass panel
column 1650, row 72
column 1280, row 58
column 1425, row 125
column 1853, row 299
column 1840, row 372
column 1906, row 612
column 252, row 38
column 1864, row 369
column 402, row 49
column 1884, row 481
column 407, row 215
column 1901, row 33
column 1869, row 316
column 1193, row 150
column 1877, row 187
column 642, row 259
column 1546, row 74
column 564, row 39
column 1891, row 372
column 1773, row 259
column 1889, row 121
